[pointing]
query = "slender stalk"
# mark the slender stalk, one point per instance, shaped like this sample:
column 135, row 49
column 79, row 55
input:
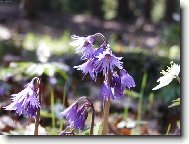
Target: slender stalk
column 106, row 114
column 38, row 111
column 168, row 129
column 178, row 79
column 102, row 36
column 52, row 107
column 63, row 102
column 92, row 121
column 144, row 79
column 93, row 114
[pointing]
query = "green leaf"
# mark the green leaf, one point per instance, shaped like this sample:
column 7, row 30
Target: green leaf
column 175, row 103
column 132, row 94
column 178, row 124
column 97, row 129
column 86, row 132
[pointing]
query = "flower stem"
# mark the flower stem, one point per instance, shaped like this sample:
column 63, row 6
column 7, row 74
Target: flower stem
column 102, row 36
column 105, row 120
column 93, row 115
column 38, row 112
column 178, row 78
column 92, row 121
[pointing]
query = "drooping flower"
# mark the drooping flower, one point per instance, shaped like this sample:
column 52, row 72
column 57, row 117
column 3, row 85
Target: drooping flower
column 126, row 80
column 168, row 75
column 116, row 86
column 70, row 113
column 106, row 92
column 82, row 115
column 99, row 50
column 84, row 45
column 26, row 101
column 76, row 115
column 106, row 62
column 87, row 67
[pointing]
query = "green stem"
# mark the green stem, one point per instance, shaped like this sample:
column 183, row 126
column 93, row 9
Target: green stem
column 52, row 107
column 105, row 119
column 144, row 79
column 178, row 78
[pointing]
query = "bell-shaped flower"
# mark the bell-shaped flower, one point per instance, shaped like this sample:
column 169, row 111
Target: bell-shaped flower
column 106, row 62
column 26, row 101
column 84, row 45
column 116, row 86
column 76, row 116
column 106, row 92
column 70, row 113
column 87, row 67
column 126, row 80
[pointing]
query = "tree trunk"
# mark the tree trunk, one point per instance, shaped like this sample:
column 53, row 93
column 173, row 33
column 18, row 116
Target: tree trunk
column 170, row 7
column 124, row 10
column 147, row 9
column 97, row 8
column 31, row 7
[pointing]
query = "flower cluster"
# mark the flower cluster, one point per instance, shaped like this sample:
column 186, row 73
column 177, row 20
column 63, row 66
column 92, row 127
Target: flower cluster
column 168, row 75
column 26, row 102
column 76, row 115
column 102, row 60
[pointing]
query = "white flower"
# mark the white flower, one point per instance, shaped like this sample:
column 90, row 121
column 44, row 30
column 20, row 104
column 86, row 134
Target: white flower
column 168, row 75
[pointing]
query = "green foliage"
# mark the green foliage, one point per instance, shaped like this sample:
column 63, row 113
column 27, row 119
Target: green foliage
column 58, row 46
column 175, row 103
column 170, row 35
column 158, row 10
column 98, row 128
column 110, row 9
column 37, row 69
column 168, row 129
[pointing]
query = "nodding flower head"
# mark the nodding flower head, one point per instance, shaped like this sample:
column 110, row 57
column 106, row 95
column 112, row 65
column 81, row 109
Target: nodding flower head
column 26, row 102
column 126, row 80
column 82, row 115
column 70, row 113
column 87, row 67
column 102, row 60
column 106, row 92
column 84, row 45
column 116, row 86
column 76, row 115
column 106, row 62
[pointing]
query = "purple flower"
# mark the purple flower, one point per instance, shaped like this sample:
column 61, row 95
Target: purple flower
column 97, row 51
column 70, row 113
column 126, row 80
column 82, row 115
column 76, row 116
column 106, row 92
column 84, row 45
column 87, row 67
column 116, row 84
column 2, row 91
column 107, row 61
column 25, row 102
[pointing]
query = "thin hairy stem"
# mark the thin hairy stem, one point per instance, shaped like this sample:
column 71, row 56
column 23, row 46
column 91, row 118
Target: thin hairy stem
column 102, row 36
column 38, row 111
column 105, row 119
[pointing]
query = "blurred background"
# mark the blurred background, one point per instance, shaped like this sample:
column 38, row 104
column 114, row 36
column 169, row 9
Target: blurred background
column 34, row 41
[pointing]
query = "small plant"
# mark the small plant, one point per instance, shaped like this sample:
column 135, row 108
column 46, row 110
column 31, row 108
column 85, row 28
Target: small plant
column 102, row 60
column 27, row 102
column 168, row 75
